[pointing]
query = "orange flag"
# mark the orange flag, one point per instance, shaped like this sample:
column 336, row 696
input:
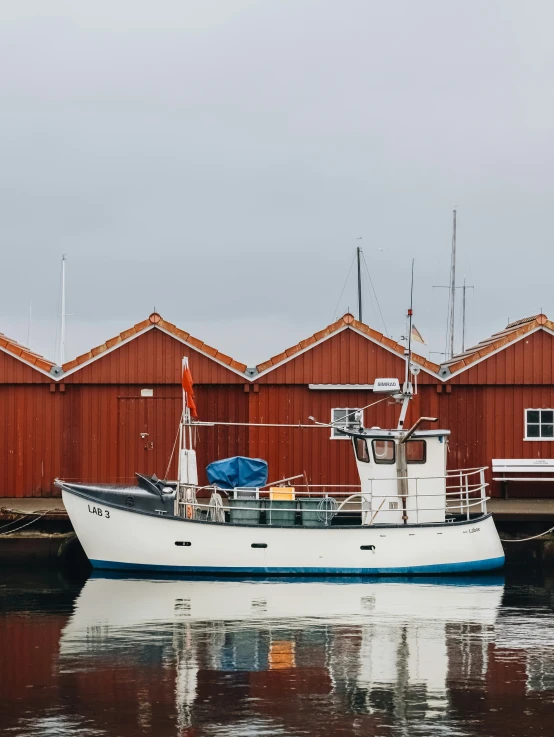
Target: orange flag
column 187, row 386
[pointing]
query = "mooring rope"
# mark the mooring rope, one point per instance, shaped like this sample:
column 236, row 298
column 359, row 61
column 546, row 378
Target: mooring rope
column 524, row 539
column 16, row 529
column 17, row 519
column 216, row 511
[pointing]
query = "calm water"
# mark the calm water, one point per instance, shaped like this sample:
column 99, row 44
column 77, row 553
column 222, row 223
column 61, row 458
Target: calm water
column 124, row 657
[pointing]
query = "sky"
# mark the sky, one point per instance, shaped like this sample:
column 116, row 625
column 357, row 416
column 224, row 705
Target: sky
column 218, row 160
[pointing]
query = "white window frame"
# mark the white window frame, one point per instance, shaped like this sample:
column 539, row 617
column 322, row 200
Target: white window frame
column 525, row 424
column 337, row 429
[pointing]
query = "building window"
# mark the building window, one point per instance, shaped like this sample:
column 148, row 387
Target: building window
column 539, row 424
column 349, row 418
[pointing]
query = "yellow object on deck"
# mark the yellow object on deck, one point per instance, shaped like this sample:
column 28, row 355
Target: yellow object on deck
column 282, row 493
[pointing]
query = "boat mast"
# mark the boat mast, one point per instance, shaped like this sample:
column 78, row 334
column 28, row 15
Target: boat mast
column 407, row 388
column 185, row 416
column 464, row 290
column 464, row 317
column 62, row 315
column 30, row 325
column 359, row 258
column 451, row 319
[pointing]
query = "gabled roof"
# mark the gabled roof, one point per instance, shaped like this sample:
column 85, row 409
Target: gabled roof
column 346, row 321
column 155, row 321
column 24, row 354
column 502, row 339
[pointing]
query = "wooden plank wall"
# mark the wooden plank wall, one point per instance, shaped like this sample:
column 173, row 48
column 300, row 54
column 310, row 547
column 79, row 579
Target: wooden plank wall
column 88, row 427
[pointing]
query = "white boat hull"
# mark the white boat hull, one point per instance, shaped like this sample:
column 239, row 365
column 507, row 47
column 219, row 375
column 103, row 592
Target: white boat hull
column 118, row 539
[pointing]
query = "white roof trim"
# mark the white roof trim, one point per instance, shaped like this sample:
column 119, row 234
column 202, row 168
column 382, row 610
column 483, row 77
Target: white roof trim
column 331, row 335
column 299, row 353
column 498, row 350
column 30, row 365
column 137, row 335
column 106, row 352
column 207, row 355
column 394, row 353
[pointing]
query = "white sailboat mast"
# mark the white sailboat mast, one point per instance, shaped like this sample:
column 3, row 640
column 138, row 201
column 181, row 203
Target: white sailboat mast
column 186, row 411
column 187, row 471
column 359, row 257
column 62, row 315
column 30, row 325
column 451, row 318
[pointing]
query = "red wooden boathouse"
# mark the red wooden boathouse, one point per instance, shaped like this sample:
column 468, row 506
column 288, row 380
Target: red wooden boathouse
column 326, row 376
column 30, row 422
column 115, row 409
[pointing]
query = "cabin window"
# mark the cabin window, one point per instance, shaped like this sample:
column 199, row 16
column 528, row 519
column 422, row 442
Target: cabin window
column 362, row 453
column 539, row 424
column 416, row 451
column 384, row 451
column 349, row 418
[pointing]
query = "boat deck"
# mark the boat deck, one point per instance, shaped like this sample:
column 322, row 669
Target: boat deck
column 503, row 510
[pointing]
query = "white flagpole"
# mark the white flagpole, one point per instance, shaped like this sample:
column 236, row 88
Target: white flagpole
column 186, row 410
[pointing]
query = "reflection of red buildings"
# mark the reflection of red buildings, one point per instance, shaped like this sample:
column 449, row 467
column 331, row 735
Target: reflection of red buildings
column 115, row 410
column 129, row 685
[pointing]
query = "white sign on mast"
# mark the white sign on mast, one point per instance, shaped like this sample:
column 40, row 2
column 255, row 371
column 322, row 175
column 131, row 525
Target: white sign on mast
column 386, row 386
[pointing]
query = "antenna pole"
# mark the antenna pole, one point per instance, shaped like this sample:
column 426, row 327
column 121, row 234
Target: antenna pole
column 30, row 325
column 406, row 390
column 359, row 257
column 62, row 331
column 452, row 284
column 410, row 316
column 464, row 317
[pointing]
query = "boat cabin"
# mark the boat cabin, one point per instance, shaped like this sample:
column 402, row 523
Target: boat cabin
column 402, row 480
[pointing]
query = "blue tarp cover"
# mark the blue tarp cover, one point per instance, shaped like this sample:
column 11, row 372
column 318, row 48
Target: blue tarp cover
column 238, row 471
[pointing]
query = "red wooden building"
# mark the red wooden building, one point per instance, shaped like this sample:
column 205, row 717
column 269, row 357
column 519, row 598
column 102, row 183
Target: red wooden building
column 30, row 422
column 115, row 410
column 326, row 376
column 498, row 398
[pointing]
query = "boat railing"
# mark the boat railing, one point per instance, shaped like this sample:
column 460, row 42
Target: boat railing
column 461, row 499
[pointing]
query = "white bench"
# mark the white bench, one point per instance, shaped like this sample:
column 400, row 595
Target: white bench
column 507, row 467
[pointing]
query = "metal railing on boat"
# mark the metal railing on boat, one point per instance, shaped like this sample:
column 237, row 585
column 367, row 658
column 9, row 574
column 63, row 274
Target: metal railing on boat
column 460, row 500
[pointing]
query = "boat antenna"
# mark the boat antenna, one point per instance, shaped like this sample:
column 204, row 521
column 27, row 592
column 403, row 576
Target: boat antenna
column 359, row 259
column 407, row 389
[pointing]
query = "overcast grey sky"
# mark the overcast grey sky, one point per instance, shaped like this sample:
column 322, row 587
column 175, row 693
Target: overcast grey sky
column 218, row 159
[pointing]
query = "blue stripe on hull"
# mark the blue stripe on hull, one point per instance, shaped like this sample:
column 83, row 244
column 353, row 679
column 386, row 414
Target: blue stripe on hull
column 473, row 566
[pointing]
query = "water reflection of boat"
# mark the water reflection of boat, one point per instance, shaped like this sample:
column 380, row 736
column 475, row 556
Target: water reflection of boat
column 374, row 642
column 122, row 603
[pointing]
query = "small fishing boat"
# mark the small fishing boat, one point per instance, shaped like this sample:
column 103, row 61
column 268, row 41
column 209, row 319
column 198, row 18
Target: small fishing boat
column 410, row 514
